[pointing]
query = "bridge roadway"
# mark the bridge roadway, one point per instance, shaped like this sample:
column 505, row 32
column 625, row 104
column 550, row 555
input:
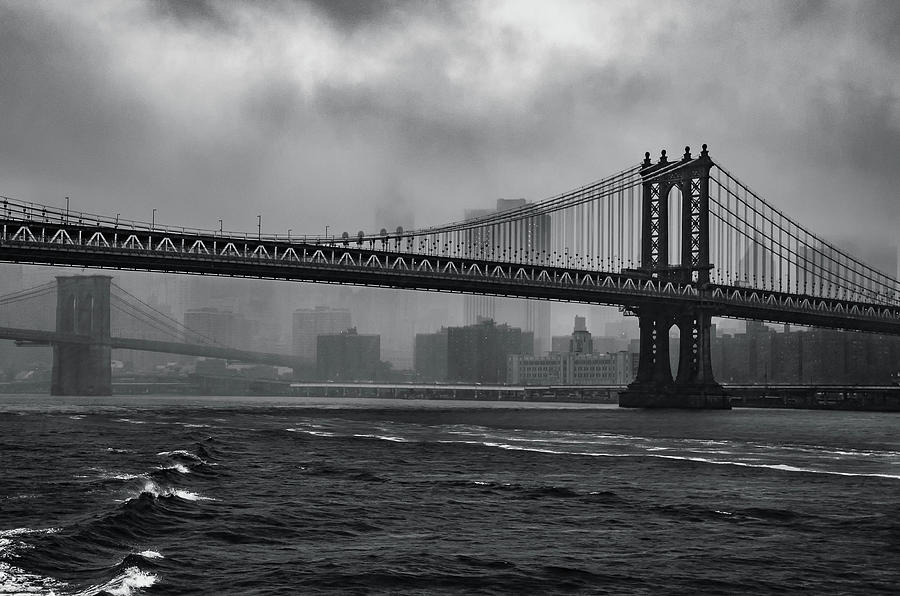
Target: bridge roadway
column 125, row 343
column 101, row 244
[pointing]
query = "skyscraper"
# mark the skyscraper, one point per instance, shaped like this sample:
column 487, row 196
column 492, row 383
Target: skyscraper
column 530, row 235
column 309, row 323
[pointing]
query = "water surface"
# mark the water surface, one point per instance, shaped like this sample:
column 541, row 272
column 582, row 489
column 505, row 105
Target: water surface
column 176, row 495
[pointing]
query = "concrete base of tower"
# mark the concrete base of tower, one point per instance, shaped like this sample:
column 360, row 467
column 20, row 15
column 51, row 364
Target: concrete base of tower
column 686, row 397
column 81, row 370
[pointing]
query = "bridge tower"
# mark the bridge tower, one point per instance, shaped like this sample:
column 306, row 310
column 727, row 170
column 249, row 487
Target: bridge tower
column 694, row 385
column 82, row 308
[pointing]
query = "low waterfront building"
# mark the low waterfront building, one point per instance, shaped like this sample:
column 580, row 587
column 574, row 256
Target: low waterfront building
column 571, row 369
column 578, row 365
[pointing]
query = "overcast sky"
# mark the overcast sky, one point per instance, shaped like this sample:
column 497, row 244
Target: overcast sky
column 315, row 113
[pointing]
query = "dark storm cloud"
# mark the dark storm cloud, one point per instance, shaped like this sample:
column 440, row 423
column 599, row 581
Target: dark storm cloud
column 325, row 112
column 348, row 14
column 192, row 13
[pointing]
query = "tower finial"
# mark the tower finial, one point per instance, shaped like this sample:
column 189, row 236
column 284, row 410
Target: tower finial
column 647, row 161
column 704, row 152
column 662, row 157
column 687, row 152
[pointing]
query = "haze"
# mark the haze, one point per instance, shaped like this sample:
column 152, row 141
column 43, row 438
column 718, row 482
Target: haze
column 328, row 113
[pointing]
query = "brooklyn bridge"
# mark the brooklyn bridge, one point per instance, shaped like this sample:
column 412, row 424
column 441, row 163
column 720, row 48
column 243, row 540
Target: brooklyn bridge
column 672, row 241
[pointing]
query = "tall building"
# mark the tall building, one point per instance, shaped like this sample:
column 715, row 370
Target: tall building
column 581, row 342
column 348, row 356
column 309, row 323
column 430, row 360
column 527, row 236
column 478, row 353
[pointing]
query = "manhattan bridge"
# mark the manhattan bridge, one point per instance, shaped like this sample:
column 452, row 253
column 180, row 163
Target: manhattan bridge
column 673, row 242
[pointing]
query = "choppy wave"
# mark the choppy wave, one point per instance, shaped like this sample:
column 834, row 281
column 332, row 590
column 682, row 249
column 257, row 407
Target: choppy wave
column 130, row 581
column 180, row 468
column 14, row 580
column 121, row 476
column 154, row 490
column 150, row 554
column 181, row 453
column 464, row 507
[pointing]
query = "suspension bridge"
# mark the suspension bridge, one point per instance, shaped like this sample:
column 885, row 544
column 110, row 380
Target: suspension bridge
column 672, row 242
column 85, row 317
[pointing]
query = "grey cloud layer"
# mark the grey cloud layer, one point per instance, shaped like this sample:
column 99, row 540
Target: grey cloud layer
column 326, row 112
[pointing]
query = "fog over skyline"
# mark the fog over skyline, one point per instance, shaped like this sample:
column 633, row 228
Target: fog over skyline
column 324, row 113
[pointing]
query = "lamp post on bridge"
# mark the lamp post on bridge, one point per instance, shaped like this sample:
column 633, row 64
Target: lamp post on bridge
column 220, row 226
column 153, row 220
column 259, row 227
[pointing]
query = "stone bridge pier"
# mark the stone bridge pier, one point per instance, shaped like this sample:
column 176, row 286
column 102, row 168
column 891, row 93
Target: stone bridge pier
column 82, row 308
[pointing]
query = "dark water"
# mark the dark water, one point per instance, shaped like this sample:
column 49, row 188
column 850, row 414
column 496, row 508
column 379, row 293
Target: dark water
column 211, row 496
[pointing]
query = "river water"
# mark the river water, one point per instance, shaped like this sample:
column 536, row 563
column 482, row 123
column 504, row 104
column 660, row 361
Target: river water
column 187, row 495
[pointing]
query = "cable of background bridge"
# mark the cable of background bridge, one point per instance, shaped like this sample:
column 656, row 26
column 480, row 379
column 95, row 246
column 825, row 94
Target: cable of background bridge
column 162, row 328
column 135, row 313
column 881, row 280
column 837, row 250
column 176, row 324
column 44, row 288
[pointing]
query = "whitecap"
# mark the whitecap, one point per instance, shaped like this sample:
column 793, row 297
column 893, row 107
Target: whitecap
column 115, row 450
column 180, row 453
column 150, row 554
column 180, row 468
column 130, row 421
column 318, row 433
column 384, row 438
column 23, row 531
column 188, row 495
column 122, row 476
column 76, row 417
column 18, row 581
column 156, row 491
column 127, row 583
